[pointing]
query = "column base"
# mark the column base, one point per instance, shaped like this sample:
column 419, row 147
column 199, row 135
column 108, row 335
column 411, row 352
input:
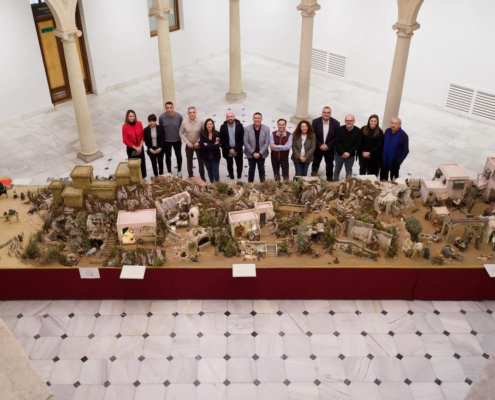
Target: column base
column 88, row 158
column 296, row 120
column 235, row 96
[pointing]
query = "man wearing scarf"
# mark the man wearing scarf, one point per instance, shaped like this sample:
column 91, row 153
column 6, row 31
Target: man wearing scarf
column 395, row 150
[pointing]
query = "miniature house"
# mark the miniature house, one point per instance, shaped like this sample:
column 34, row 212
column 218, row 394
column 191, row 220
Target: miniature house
column 265, row 210
column 172, row 203
column 439, row 213
column 450, row 181
column 486, row 180
column 244, row 222
column 132, row 226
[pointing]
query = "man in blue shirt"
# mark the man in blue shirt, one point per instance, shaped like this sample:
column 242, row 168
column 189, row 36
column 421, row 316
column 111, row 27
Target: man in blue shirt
column 395, row 150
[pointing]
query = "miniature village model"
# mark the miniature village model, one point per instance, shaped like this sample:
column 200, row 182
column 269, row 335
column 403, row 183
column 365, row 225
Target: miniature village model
column 172, row 222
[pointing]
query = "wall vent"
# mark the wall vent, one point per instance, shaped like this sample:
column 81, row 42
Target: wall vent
column 484, row 105
column 330, row 63
column 472, row 102
column 336, row 64
column 319, row 60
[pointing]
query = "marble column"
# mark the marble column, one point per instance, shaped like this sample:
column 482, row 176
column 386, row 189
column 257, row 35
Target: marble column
column 161, row 9
column 235, row 92
column 405, row 26
column 308, row 9
column 64, row 13
column 89, row 151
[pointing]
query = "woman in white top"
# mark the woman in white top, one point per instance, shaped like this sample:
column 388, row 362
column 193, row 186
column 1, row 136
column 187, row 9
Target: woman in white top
column 303, row 147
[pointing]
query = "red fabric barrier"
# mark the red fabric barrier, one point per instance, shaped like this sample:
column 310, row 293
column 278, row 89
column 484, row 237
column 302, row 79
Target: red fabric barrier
column 317, row 283
column 454, row 284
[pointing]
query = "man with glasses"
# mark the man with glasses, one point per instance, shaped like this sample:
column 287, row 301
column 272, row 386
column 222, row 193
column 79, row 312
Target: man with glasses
column 348, row 141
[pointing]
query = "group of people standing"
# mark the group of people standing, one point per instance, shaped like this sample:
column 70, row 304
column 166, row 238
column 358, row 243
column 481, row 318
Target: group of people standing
column 325, row 139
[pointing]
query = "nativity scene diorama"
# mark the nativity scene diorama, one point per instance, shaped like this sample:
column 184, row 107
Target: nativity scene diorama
column 168, row 221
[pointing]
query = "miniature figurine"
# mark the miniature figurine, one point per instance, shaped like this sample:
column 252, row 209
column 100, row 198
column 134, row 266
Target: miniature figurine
column 470, row 237
column 477, row 242
column 23, row 196
column 460, row 244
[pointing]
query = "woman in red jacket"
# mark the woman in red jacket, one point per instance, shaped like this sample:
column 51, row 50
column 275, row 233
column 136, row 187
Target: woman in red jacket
column 133, row 138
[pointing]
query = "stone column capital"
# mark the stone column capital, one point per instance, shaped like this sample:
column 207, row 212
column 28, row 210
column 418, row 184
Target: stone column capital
column 308, row 10
column 161, row 12
column 68, row 36
column 161, row 9
column 405, row 31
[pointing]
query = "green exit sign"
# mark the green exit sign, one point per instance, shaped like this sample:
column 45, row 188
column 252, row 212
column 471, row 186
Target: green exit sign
column 46, row 30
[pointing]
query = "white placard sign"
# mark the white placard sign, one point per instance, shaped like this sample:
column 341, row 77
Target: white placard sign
column 133, row 272
column 244, row 270
column 89, row 273
column 490, row 268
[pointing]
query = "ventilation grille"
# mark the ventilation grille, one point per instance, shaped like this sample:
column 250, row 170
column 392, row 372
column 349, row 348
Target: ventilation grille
column 336, row 64
column 460, row 98
column 471, row 102
column 484, row 106
column 319, row 60
column 329, row 63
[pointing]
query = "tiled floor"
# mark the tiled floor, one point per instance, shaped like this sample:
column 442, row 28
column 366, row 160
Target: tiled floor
column 255, row 349
column 45, row 146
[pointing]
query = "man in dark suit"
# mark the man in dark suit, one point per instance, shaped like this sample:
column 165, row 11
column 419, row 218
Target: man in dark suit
column 325, row 128
column 154, row 138
column 256, row 142
column 231, row 141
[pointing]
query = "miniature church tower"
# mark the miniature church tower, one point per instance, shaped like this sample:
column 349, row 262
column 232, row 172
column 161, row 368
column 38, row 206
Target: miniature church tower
column 134, row 165
column 56, row 187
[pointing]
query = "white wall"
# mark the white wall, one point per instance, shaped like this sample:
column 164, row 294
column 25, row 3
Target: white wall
column 120, row 47
column 23, row 84
column 454, row 43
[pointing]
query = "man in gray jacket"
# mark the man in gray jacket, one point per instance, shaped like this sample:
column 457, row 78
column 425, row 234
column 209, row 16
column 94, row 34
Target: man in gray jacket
column 256, row 142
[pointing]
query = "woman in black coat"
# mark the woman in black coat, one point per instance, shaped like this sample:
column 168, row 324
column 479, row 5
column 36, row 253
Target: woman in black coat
column 370, row 151
column 209, row 145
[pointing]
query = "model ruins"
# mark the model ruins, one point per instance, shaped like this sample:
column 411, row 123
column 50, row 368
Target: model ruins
column 170, row 221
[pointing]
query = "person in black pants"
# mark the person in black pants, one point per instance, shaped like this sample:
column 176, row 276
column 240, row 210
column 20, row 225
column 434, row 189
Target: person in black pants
column 395, row 150
column 231, row 141
column 170, row 121
column 370, row 151
column 325, row 128
column 154, row 138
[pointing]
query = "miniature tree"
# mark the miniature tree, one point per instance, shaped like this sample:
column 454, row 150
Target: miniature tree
column 414, row 227
column 301, row 239
column 283, row 249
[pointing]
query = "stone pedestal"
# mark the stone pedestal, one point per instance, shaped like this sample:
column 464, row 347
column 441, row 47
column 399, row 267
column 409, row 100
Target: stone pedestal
column 235, row 93
column 405, row 26
column 308, row 9
column 161, row 9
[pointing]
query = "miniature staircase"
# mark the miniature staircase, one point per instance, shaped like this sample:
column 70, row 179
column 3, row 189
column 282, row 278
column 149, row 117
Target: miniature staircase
column 271, row 250
column 102, row 256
